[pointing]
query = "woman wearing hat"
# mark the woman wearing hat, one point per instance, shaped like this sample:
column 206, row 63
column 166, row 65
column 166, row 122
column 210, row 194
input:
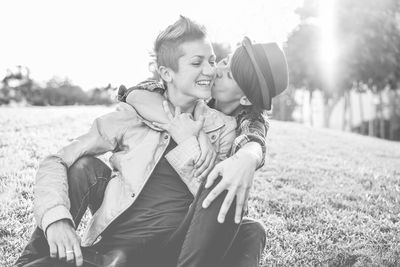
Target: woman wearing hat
column 245, row 84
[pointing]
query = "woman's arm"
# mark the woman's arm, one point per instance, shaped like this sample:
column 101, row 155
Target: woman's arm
column 147, row 98
column 254, row 130
column 237, row 172
column 148, row 104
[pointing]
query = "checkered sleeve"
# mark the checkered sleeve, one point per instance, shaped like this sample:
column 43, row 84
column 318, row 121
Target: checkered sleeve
column 251, row 130
column 150, row 85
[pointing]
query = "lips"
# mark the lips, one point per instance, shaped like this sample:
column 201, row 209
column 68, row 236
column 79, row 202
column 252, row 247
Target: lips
column 204, row 82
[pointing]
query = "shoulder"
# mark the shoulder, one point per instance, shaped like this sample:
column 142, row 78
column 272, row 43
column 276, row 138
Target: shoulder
column 122, row 115
column 247, row 117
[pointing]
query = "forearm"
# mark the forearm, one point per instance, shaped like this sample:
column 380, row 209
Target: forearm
column 148, row 104
column 51, row 202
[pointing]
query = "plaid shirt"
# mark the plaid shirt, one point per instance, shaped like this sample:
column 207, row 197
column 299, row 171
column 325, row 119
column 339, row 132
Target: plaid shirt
column 249, row 128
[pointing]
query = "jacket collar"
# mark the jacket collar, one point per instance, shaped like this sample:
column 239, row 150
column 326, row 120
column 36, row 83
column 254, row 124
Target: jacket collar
column 212, row 120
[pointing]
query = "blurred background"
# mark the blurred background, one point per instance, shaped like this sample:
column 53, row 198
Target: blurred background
column 343, row 55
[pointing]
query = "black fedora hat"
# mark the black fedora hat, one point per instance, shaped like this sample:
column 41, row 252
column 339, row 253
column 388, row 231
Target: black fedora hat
column 270, row 66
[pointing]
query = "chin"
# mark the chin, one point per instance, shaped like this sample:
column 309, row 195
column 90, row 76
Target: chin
column 204, row 96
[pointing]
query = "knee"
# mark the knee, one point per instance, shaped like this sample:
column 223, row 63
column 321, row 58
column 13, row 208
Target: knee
column 256, row 229
column 119, row 258
column 81, row 168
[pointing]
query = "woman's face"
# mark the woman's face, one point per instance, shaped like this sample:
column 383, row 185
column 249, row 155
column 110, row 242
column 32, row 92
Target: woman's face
column 225, row 89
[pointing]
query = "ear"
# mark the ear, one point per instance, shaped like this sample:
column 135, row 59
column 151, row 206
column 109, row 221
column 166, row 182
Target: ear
column 165, row 73
column 244, row 101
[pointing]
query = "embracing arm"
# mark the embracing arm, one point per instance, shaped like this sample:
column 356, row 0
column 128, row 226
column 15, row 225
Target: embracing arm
column 148, row 104
column 184, row 157
column 252, row 130
column 147, row 98
column 237, row 172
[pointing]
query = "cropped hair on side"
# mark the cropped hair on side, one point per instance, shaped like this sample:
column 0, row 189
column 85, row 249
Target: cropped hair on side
column 166, row 46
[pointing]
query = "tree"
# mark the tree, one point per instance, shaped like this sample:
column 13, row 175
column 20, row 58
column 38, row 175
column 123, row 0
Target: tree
column 60, row 92
column 368, row 40
column 368, row 34
column 16, row 85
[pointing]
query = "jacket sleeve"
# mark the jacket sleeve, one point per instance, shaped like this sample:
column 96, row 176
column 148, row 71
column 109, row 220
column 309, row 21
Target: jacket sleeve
column 252, row 130
column 149, row 85
column 183, row 157
column 51, row 202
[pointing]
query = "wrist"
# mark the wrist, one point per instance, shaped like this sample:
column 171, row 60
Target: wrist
column 250, row 157
column 59, row 223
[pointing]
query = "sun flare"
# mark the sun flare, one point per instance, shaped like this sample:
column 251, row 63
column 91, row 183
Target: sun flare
column 328, row 48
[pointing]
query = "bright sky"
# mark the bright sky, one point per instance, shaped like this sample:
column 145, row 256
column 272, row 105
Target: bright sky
column 99, row 42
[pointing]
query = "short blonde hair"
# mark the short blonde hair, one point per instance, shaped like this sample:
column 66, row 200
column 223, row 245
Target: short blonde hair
column 166, row 46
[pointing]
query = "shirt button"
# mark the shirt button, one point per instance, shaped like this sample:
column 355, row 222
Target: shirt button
column 213, row 137
column 133, row 195
column 166, row 136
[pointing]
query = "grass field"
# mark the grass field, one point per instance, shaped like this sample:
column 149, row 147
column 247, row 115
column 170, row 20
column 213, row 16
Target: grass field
column 327, row 198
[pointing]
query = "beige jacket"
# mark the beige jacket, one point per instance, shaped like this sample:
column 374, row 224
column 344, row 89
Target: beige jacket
column 137, row 147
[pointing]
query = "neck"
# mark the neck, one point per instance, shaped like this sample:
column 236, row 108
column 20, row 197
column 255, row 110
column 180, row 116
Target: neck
column 186, row 103
column 226, row 107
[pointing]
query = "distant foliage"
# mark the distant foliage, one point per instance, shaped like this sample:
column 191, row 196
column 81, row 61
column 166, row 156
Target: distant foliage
column 367, row 34
column 18, row 87
column 61, row 93
column 366, row 44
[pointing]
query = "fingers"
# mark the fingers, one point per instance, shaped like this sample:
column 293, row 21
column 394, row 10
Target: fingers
column 202, row 158
column 204, row 165
column 53, row 250
column 78, row 255
column 61, row 251
column 213, row 194
column 210, row 165
column 213, row 176
column 69, row 254
column 207, row 165
column 226, row 205
column 163, row 126
column 203, row 147
column 240, row 199
column 177, row 111
column 167, row 110
column 201, row 121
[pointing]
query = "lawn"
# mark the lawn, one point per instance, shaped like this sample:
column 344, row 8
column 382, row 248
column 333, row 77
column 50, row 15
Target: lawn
column 327, row 198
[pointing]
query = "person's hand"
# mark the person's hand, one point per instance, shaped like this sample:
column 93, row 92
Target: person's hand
column 205, row 162
column 181, row 125
column 64, row 242
column 237, row 178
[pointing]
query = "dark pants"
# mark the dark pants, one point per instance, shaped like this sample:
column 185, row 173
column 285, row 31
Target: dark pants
column 199, row 241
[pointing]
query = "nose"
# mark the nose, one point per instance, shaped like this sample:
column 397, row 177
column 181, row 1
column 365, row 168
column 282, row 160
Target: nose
column 219, row 72
column 209, row 70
